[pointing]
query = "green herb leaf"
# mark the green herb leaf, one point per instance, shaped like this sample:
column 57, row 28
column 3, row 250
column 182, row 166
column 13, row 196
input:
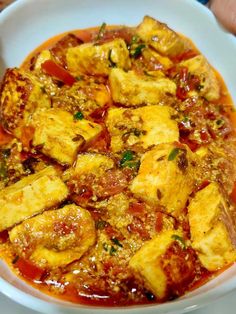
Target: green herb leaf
column 112, row 250
column 78, row 115
column 100, row 224
column 128, row 155
column 180, row 240
column 101, row 31
column 134, row 39
column 79, row 78
column 173, row 154
column 116, row 242
column 137, row 51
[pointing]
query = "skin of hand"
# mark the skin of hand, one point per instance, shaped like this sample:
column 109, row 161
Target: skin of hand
column 225, row 11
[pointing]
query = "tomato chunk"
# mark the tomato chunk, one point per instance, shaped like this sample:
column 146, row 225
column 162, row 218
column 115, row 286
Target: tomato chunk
column 29, row 270
column 53, row 69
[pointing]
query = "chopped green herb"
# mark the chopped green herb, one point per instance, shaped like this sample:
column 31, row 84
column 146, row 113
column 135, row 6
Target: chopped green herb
column 116, row 242
column 173, row 154
column 100, row 224
column 128, row 155
column 180, row 240
column 200, row 87
column 79, row 78
column 220, row 122
column 15, row 259
column 112, row 64
column 78, row 115
column 137, row 51
column 101, row 31
column 185, row 119
column 112, row 250
column 134, row 39
column 105, row 246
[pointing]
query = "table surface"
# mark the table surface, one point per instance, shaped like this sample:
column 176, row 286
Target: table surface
column 225, row 305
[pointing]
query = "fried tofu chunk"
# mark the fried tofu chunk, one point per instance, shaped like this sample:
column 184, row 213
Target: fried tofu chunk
column 31, row 195
column 131, row 89
column 164, row 265
column 212, row 229
column 159, row 36
column 56, row 237
column 59, row 136
column 21, row 94
column 199, row 66
column 94, row 59
column 141, row 127
column 165, row 177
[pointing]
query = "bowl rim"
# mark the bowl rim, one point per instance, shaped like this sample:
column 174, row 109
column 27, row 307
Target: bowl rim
column 181, row 305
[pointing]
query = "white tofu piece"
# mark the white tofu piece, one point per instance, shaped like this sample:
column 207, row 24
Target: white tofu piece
column 131, row 89
column 59, row 136
column 30, row 196
column 159, row 36
column 96, row 59
column 165, row 177
column 143, row 127
column 212, row 229
column 146, row 263
column 199, row 66
column 56, row 237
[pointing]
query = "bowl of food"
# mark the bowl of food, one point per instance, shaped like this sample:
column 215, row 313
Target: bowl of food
column 117, row 156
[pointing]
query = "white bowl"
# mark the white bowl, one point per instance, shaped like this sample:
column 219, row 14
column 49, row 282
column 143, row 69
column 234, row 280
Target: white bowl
column 27, row 23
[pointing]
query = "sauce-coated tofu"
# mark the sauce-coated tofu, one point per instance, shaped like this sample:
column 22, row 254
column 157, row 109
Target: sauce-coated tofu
column 141, row 127
column 21, row 94
column 199, row 66
column 165, row 177
column 212, row 229
column 29, row 196
column 59, row 136
column 160, row 37
column 56, row 237
column 94, row 59
column 131, row 89
column 146, row 263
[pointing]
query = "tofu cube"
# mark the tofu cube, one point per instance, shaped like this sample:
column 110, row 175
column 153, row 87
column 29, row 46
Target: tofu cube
column 94, row 59
column 21, row 94
column 147, row 263
column 131, row 89
column 199, row 66
column 159, row 36
column 59, row 136
column 165, row 177
column 56, row 237
column 212, row 228
column 30, row 196
column 141, row 127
